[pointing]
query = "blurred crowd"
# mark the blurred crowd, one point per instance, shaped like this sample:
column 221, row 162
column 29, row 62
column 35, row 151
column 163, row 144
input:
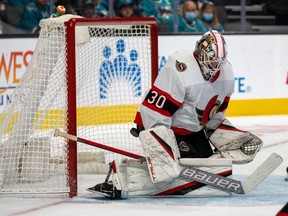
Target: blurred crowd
column 23, row 16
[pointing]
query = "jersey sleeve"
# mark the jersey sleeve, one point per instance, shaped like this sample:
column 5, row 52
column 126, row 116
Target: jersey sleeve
column 163, row 99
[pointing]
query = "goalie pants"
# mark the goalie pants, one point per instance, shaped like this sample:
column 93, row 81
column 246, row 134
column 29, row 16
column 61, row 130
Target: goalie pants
column 194, row 145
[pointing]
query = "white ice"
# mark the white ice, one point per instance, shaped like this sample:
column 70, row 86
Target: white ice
column 267, row 199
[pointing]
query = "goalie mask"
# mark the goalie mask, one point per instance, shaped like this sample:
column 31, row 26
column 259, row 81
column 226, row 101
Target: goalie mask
column 211, row 52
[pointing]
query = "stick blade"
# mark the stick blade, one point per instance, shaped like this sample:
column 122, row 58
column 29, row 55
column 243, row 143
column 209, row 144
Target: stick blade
column 262, row 172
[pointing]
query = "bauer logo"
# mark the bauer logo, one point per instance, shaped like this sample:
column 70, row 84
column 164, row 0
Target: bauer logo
column 119, row 65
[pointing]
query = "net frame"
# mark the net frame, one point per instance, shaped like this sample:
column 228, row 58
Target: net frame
column 71, row 112
column 71, row 76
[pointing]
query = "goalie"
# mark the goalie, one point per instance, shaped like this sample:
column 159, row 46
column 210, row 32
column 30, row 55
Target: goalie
column 183, row 116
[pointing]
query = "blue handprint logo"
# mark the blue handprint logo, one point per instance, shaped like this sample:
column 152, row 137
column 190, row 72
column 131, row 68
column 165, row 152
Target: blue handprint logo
column 119, row 69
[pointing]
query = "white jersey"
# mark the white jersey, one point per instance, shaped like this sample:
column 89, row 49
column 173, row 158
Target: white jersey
column 181, row 99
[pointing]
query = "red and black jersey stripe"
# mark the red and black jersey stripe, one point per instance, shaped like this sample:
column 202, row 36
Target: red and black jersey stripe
column 224, row 105
column 138, row 119
column 161, row 102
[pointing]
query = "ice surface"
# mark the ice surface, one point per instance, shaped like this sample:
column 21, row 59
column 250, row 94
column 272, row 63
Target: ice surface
column 267, row 199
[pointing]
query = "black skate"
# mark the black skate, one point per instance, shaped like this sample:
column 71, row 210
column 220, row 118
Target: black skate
column 107, row 189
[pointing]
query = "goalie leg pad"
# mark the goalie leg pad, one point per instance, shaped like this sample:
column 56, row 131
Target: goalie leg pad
column 161, row 152
column 132, row 178
column 240, row 146
column 119, row 174
column 138, row 179
column 139, row 182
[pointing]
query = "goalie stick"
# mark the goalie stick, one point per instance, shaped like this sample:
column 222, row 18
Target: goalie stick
column 232, row 185
column 190, row 173
column 96, row 144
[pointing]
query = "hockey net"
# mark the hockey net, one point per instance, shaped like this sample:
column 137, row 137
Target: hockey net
column 86, row 78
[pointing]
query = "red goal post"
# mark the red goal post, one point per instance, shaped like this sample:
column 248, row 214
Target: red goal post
column 70, row 39
column 86, row 77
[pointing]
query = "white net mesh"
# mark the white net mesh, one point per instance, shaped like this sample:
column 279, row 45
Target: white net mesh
column 113, row 70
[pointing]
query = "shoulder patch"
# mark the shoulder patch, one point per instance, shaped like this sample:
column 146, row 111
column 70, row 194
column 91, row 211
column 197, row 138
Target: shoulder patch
column 180, row 66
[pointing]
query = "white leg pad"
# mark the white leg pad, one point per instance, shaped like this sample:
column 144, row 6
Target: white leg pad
column 119, row 174
column 134, row 178
column 161, row 152
column 138, row 179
